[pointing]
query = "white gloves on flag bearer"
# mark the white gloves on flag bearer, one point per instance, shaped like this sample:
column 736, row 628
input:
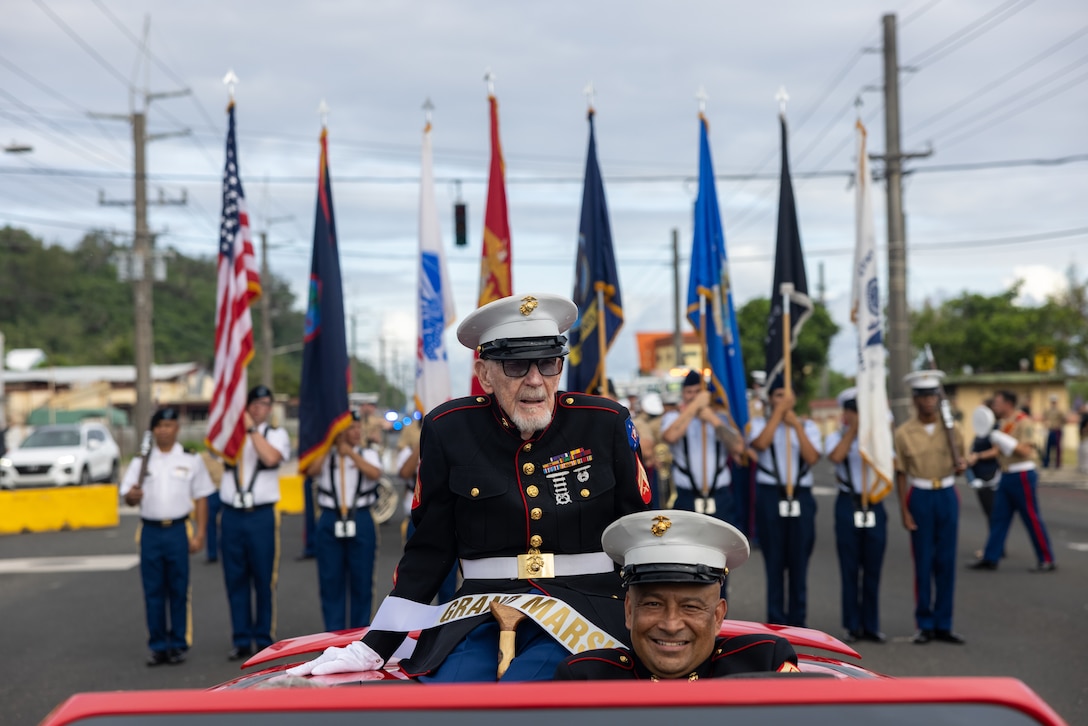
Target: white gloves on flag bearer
column 1007, row 444
column 352, row 658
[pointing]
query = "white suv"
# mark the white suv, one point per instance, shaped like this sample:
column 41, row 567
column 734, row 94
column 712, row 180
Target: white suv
column 61, row 454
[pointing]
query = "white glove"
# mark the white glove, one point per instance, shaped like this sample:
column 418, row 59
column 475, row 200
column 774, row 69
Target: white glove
column 352, row 658
column 1003, row 441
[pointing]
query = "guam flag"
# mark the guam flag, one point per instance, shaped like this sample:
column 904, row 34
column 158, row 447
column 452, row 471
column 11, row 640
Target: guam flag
column 326, row 373
column 596, row 284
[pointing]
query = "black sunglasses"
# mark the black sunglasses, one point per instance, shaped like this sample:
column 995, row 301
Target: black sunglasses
column 520, row 368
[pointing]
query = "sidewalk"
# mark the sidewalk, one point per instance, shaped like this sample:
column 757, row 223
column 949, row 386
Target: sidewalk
column 1066, row 477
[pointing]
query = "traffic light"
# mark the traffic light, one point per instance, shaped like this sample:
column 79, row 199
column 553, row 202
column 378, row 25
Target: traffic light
column 460, row 224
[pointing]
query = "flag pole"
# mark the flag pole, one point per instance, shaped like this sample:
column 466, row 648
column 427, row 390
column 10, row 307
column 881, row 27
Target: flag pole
column 703, row 352
column 787, row 290
column 602, row 340
column 343, row 492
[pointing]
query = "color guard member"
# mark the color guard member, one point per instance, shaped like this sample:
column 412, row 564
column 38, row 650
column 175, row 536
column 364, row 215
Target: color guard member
column 168, row 483
column 925, row 475
column 249, row 527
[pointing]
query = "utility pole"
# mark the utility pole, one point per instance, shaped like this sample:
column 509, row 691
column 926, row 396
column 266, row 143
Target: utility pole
column 677, row 337
column 266, row 304
column 139, row 266
column 899, row 352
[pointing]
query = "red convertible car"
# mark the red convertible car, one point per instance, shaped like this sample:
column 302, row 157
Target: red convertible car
column 826, row 691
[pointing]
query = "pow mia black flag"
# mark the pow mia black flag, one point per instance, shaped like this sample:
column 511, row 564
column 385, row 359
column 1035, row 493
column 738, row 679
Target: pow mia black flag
column 789, row 266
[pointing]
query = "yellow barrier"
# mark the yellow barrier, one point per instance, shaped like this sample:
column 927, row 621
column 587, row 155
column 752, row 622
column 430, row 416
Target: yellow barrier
column 291, row 501
column 49, row 510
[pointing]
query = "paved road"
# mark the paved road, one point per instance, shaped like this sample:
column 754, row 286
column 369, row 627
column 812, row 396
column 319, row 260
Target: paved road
column 62, row 631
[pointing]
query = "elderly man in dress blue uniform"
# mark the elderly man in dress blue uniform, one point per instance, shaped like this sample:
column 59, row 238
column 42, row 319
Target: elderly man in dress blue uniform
column 673, row 563
column 517, row 485
column 859, row 540
column 925, row 477
column 172, row 484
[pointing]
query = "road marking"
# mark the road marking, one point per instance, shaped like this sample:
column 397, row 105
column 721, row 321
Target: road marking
column 1079, row 546
column 820, row 491
column 95, row 563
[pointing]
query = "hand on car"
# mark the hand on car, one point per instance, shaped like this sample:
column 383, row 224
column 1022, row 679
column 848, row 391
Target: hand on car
column 352, row 658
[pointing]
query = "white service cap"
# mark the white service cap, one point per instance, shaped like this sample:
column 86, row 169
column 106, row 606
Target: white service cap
column 520, row 326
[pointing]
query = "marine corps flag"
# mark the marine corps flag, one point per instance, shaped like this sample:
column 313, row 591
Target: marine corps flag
column 874, row 415
column 495, row 278
column 435, row 312
column 323, row 409
column 710, row 296
column 596, row 284
column 789, row 266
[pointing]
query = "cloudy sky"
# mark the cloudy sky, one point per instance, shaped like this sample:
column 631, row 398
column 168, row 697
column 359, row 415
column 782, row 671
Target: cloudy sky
column 996, row 89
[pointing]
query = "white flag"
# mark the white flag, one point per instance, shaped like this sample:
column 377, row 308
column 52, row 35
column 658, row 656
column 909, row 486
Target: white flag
column 435, row 312
column 874, row 416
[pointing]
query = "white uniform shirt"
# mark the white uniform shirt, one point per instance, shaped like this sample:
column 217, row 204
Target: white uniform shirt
column 364, row 489
column 688, row 456
column 174, row 479
column 853, row 460
column 266, row 488
column 764, row 472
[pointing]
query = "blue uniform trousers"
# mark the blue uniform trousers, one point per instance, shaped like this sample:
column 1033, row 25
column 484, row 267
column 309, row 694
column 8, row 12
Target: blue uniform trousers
column 211, row 529
column 449, row 586
column 164, row 571
column 309, row 521
column 861, row 557
column 474, row 660
column 1017, row 492
column 723, row 510
column 345, row 567
column 250, row 553
column 1053, row 443
column 744, row 497
column 933, row 546
column 786, row 544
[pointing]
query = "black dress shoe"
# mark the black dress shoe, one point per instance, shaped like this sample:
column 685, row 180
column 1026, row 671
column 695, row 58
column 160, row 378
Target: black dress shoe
column 175, row 656
column 922, row 637
column 982, row 565
column 239, row 653
column 852, row 636
column 1044, row 567
column 158, row 657
column 874, row 636
column 947, row 636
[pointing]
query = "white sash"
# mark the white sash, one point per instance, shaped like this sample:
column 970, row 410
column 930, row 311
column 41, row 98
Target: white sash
column 571, row 629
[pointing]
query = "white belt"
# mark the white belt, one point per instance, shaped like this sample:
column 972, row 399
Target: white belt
column 506, row 568
column 1020, row 466
column 931, row 483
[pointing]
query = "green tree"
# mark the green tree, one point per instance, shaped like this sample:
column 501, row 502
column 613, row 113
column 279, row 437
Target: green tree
column 993, row 333
column 809, row 355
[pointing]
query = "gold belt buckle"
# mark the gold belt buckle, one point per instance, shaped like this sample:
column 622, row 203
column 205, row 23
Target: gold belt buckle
column 936, row 483
column 166, row 523
column 535, row 564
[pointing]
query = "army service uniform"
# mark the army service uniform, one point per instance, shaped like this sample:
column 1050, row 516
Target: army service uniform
column 738, row 654
column 485, row 496
column 345, row 565
column 688, row 459
column 174, row 479
column 250, row 542
column 922, row 455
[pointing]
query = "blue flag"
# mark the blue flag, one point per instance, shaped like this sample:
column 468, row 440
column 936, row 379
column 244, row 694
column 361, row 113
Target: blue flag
column 710, row 296
column 323, row 409
column 596, row 284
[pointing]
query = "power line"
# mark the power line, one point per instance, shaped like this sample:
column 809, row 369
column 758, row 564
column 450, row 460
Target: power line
column 999, row 81
column 968, row 33
column 84, row 45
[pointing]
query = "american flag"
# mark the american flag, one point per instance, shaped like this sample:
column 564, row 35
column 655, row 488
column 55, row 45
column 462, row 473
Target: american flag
column 239, row 284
